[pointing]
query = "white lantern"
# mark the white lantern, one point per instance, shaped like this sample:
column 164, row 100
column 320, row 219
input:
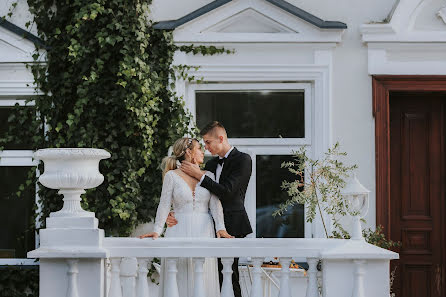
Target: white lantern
column 357, row 200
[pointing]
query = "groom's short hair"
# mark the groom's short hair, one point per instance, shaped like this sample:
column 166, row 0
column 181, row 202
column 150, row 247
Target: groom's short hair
column 210, row 127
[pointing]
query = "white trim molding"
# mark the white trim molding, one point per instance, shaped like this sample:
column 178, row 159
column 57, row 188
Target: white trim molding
column 17, row 158
column 272, row 25
column 412, row 43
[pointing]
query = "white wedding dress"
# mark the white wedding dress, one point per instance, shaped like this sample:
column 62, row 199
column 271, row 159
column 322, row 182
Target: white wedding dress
column 194, row 220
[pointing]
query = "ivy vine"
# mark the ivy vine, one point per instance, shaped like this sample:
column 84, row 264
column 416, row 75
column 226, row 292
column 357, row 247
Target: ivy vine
column 107, row 81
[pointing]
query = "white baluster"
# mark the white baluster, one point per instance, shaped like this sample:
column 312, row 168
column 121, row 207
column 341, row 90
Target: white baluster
column 72, row 278
column 358, row 281
column 142, row 288
column 171, row 287
column 256, row 287
column 128, row 276
column 115, row 280
column 226, row 288
column 285, row 290
column 312, row 290
column 199, row 290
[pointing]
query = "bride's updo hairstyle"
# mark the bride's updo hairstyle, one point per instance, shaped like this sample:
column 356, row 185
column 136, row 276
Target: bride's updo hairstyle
column 178, row 153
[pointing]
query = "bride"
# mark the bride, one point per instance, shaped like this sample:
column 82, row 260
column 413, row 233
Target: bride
column 191, row 204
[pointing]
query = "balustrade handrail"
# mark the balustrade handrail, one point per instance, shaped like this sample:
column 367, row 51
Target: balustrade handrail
column 242, row 247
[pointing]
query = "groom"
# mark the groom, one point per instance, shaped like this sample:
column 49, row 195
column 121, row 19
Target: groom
column 232, row 171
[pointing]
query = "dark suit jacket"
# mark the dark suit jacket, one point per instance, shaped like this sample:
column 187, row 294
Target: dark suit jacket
column 231, row 190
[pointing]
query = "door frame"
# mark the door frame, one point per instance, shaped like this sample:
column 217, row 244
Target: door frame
column 382, row 86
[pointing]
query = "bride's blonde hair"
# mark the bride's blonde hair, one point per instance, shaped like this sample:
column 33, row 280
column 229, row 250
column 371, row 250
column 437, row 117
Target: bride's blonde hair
column 178, row 153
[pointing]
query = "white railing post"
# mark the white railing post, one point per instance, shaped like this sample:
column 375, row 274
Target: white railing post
column 285, row 290
column 71, row 233
column 199, row 289
column 226, row 288
column 312, row 290
column 72, row 278
column 128, row 276
column 115, row 289
column 171, row 285
column 358, row 279
column 256, row 287
column 142, row 288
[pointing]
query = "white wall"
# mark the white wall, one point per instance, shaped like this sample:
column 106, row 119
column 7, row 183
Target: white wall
column 353, row 123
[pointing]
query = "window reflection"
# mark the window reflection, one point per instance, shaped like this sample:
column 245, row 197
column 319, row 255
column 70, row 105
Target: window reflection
column 254, row 114
column 270, row 195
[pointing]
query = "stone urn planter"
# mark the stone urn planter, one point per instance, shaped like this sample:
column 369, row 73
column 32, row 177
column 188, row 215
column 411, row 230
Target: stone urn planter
column 71, row 170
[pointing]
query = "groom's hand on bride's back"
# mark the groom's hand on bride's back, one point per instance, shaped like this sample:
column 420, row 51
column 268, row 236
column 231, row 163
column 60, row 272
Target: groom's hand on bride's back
column 171, row 220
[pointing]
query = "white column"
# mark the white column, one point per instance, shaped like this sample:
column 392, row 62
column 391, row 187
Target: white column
column 171, row 286
column 256, row 287
column 142, row 288
column 199, row 290
column 358, row 279
column 285, row 290
column 128, row 276
column 115, row 280
column 226, row 288
column 72, row 278
column 312, row 290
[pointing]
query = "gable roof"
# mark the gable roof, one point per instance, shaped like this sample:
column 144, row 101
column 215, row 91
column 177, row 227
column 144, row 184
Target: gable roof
column 23, row 33
column 302, row 14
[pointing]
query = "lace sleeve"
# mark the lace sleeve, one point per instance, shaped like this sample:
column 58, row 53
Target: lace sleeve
column 216, row 210
column 165, row 203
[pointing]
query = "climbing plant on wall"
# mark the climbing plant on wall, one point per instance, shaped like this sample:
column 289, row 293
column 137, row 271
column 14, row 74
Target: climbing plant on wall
column 107, row 79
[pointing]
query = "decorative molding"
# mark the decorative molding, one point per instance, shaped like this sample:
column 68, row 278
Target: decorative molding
column 442, row 14
column 249, row 21
column 18, row 88
column 399, row 48
column 286, row 24
column 281, row 4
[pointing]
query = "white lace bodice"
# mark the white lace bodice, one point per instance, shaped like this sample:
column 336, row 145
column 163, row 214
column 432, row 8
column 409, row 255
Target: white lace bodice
column 177, row 192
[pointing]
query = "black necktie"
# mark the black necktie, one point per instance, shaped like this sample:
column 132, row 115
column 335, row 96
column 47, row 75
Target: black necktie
column 221, row 161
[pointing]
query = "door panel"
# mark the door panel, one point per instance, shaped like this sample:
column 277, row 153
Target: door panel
column 417, row 192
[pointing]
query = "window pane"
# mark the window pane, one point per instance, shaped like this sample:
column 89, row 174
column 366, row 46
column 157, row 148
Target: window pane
column 254, row 114
column 269, row 177
column 5, row 113
column 15, row 214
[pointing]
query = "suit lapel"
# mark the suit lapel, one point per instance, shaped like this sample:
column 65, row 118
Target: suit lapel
column 228, row 163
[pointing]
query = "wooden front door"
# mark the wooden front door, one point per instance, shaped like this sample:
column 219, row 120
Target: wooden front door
column 417, row 192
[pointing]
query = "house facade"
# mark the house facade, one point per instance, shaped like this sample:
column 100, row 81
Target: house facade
column 306, row 74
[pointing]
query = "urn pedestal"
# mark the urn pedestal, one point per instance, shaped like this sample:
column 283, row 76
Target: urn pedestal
column 71, row 246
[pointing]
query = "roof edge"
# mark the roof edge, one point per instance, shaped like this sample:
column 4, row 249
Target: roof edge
column 21, row 32
column 282, row 4
column 306, row 16
column 170, row 25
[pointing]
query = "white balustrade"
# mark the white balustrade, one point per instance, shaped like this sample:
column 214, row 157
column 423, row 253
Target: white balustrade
column 128, row 276
column 72, row 278
column 142, row 288
column 358, row 281
column 171, row 286
column 73, row 234
column 115, row 282
column 199, row 288
column 256, row 286
column 312, row 290
column 226, row 288
column 285, row 278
